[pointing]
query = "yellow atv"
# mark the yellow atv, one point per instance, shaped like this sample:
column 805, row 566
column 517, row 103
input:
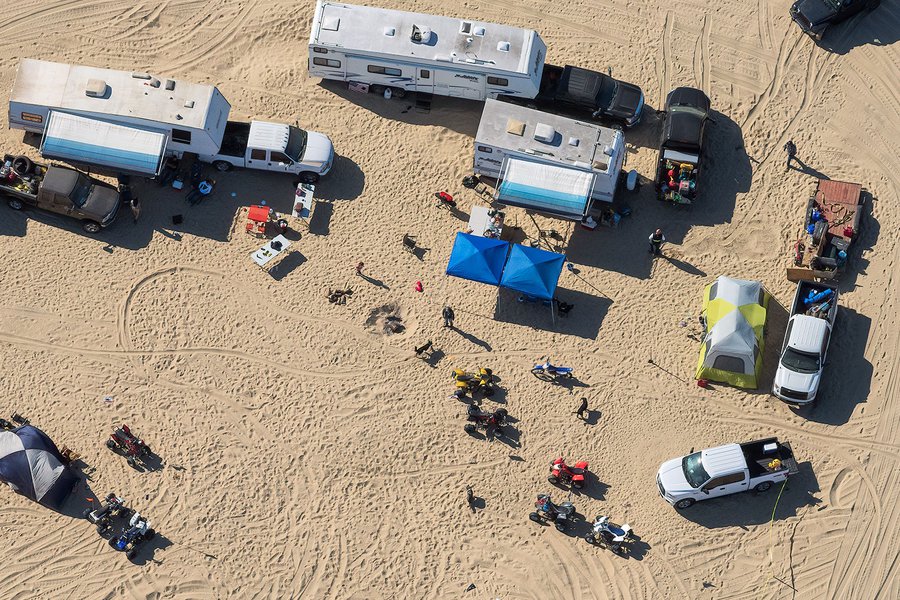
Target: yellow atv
column 482, row 380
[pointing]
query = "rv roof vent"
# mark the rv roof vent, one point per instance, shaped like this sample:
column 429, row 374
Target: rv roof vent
column 600, row 166
column 170, row 84
column 420, row 35
column 189, row 104
column 573, row 141
column 389, row 31
column 503, row 46
column 154, row 82
column 478, row 31
column 96, row 88
column 515, row 127
column 331, row 23
column 465, row 28
column 544, row 133
column 581, row 164
column 141, row 75
column 607, row 150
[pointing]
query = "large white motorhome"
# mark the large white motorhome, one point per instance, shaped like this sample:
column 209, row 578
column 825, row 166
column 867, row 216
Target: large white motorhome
column 545, row 159
column 412, row 52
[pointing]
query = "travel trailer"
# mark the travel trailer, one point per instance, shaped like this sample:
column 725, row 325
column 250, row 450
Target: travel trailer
column 412, row 52
column 130, row 121
column 554, row 156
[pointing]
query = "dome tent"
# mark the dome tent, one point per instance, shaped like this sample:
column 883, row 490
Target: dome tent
column 32, row 466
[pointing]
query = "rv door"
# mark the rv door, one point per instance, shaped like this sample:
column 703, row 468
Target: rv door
column 459, row 84
column 425, row 80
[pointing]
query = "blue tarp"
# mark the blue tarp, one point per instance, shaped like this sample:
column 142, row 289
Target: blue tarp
column 477, row 258
column 532, row 271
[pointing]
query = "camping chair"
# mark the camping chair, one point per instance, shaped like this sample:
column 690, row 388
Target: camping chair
column 257, row 219
column 409, row 243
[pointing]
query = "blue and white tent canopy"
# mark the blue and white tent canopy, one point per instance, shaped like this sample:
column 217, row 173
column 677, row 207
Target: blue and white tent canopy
column 32, row 466
column 555, row 190
column 87, row 141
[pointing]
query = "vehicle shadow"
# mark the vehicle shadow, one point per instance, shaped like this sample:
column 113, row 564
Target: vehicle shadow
column 147, row 550
column 848, row 374
column 593, row 487
column 878, row 27
column 13, row 223
column 869, row 230
column 776, row 324
column 756, row 508
column 456, row 114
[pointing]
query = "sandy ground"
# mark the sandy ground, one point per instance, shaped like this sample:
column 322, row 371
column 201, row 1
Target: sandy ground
column 308, row 455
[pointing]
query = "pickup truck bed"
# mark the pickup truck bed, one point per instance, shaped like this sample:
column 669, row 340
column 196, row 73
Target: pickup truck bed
column 19, row 188
column 234, row 142
column 758, row 459
column 799, row 307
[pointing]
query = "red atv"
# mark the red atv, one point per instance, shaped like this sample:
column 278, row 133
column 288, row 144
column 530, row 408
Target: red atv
column 121, row 440
column 560, row 472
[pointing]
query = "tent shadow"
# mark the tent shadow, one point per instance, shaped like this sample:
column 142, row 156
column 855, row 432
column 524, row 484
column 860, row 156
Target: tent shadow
column 776, row 324
column 584, row 320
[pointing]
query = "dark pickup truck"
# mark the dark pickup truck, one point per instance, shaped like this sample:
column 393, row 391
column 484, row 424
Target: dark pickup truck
column 815, row 16
column 681, row 145
column 585, row 94
column 58, row 189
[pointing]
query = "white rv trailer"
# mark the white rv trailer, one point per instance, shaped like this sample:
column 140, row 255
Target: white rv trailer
column 424, row 53
column 547, row 162
column 193, row 116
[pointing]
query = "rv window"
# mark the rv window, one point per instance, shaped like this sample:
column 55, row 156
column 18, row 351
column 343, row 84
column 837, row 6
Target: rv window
column 498, row 81
column 181, row 136
column 424, row 74
column 279, row 157
column 321, row 50
column 257, row 154
column 32, row 117
column 327, row 62
column 384, row 70
column 486, row 149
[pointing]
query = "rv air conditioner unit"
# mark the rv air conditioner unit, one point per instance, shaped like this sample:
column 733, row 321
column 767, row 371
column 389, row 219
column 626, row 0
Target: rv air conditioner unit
column 420, row 35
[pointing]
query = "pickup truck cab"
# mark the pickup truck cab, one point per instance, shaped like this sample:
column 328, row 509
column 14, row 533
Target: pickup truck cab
column 681, row 145
column 806, row 340
column 725, row 470
column 273, row 147
column 815, row 16
column 59, row 190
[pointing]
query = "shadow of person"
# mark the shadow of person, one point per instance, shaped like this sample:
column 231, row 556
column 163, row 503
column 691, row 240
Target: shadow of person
column 375, row 282
column 471, row 338
column 805, row 169
column 684, row 266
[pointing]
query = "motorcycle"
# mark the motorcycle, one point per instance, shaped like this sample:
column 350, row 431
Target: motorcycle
column 111, row 506
column 469, row 383
column 138, row 532
column 609, row 535
column 561, row 515
column 549, row 372
column 560, row 472
column 477, row 419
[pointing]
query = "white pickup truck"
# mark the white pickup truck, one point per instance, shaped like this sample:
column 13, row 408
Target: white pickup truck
column 806, row 342
column 725, row 470
column 273, row 147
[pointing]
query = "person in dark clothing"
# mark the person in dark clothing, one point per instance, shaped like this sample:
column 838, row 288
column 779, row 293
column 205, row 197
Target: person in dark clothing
column 448, row 317
column 791, row 149
column 656, row 241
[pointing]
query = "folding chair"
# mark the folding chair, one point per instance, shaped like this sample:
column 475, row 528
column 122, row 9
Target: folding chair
column 409, row 243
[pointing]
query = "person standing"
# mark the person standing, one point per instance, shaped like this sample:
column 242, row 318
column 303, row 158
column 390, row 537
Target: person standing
column 135, row 208
column 656, row 241
column 791, row 149
column 448, row 317
column 359, row 268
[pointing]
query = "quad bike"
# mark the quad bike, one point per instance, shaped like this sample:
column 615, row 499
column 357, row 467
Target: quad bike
column 609, row 535
column 132, row 447
column 549, row 372
column 137, row 532
column 478, row 419
column 111, row 506
column 469, row 383
column 562, row 473
column 562, row 515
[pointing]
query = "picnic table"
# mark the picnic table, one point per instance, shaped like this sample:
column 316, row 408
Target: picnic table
column 304, row 196
column 271, row 250
column 482, row 223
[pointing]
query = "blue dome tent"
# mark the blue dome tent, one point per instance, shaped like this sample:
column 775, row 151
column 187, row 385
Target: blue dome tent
column 32, row 466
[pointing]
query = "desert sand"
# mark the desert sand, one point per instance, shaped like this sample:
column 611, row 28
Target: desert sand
column 309, row 455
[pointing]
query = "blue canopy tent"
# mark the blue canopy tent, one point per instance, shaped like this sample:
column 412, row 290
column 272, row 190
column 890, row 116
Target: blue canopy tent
column 533, row 272
column 477, row 258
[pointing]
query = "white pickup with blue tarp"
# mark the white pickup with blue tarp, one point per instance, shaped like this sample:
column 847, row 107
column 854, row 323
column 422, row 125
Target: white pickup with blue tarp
column 87, row 141
column 551, row 189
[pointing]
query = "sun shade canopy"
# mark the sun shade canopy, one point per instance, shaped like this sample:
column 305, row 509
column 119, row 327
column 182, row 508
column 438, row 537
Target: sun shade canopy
column 88, row 141
column 477, row 258
column 560, row 191
column 532, row 271
column 32, row 466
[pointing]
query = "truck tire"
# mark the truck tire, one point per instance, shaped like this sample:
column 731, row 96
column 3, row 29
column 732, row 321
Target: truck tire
column 222, row 165
column 22, row 165
column 15, row 203
column 683, row 504
column 309, row 177
column 91, row 226
column 763, row 486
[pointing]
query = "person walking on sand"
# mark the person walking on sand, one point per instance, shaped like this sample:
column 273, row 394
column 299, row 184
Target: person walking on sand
column 448, row 315
column 656, row 241
column 359, row 268
column 791, row 149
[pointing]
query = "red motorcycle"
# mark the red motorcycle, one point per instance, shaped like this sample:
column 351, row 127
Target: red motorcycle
column 122, row 441
column 560, row 472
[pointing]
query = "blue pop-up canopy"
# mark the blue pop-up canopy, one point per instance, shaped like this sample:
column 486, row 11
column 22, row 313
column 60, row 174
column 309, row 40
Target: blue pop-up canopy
column 477, row 258
column 532, row 271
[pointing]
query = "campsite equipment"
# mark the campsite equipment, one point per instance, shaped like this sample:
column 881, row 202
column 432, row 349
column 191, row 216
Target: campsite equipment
column 122, row 441
column 409, row 243
column 561, row 515
column 608, row 535
column 419, row 287
column 562, row 473
column 137, row 532
column 257, row 219
column 482, row 380
column 32, row 466
column 549, row 372
column 490, row 422
column 445, row 200
column 111, row 506
column 735, row 311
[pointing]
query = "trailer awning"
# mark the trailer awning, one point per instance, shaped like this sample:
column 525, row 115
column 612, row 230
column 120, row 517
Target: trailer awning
column 554, row 190
column 118, row 147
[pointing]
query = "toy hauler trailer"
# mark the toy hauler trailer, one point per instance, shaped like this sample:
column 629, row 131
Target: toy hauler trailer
column 548, row 163
column 413, row 52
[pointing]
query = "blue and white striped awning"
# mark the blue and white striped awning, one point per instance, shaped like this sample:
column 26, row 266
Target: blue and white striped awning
column 555, row 190
column 91, row 142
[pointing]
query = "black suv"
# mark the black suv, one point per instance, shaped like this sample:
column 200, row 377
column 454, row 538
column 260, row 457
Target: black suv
column 815, row 16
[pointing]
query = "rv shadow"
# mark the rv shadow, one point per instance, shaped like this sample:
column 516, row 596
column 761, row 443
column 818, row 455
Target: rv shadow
column 756, row 508
column 848, row 373
column 875, row 28
column 584, row 320
column 456, row 114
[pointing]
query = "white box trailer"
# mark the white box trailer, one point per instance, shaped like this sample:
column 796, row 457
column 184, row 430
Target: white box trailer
column 547, row 162
column 424, row 53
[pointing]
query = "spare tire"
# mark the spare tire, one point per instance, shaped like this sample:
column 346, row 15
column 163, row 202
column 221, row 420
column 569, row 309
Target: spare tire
column 22, row 165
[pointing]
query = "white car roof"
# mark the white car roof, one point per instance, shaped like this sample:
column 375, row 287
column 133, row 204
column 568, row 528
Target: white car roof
column 807, row 334
column 722, row 460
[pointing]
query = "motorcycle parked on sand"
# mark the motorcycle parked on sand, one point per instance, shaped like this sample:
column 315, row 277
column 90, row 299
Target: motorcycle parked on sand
column 561, row 473
column 549, row 372
column 561, row 515
column 609, row 535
